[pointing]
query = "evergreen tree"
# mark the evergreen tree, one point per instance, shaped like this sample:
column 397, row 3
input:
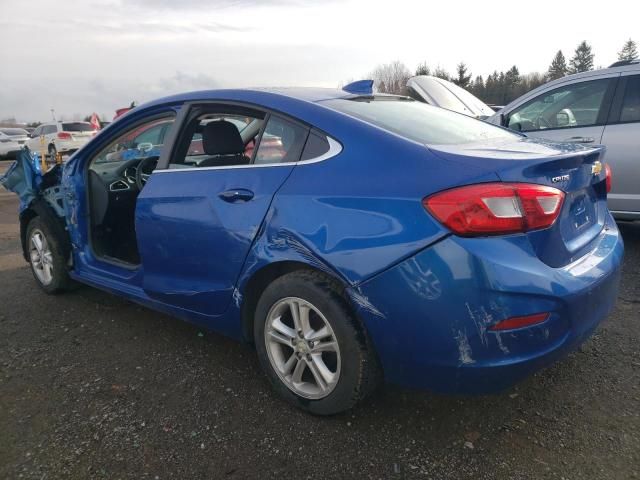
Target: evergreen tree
column 463, row 79
column 441, row 73
column 629, row 51
column 477, row 88
column 582, row 60
column 423, row 69
column 558, row 67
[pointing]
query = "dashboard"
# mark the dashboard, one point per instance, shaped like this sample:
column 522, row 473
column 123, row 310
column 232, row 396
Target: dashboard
column 118, row 176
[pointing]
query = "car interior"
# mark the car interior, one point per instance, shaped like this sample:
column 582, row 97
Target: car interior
column 210, row 139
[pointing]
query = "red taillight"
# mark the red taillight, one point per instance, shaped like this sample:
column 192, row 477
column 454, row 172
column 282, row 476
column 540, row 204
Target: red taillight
column 496, row 208
column 607, row 171
column 64, row 135
column 520, row 322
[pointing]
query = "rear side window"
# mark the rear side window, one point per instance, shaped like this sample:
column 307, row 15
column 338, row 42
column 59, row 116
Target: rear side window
column 316, row 146
column 76, row 127
column 631, row 102
column 48, row 129
column 418, row 121
column 281, row 142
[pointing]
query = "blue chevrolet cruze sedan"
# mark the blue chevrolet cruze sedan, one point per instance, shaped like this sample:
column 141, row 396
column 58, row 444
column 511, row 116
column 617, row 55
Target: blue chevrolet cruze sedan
column 351, row 237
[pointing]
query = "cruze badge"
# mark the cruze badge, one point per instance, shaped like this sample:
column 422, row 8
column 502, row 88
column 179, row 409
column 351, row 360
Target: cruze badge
column 560, row 178
column 596, row 168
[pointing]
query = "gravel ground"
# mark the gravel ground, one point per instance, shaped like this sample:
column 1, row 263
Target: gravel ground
column 92, row 386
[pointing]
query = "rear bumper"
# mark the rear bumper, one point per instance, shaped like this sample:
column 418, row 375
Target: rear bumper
column 429, row 316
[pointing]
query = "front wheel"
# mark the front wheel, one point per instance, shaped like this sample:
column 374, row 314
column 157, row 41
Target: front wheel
column 45, row 257
column 310, row 347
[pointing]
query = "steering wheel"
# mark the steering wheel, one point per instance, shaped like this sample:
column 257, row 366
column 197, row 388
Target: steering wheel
column 543, row 123
column 141, row 177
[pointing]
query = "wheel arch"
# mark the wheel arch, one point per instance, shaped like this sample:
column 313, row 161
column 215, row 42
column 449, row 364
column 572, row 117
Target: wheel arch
column 260, row 279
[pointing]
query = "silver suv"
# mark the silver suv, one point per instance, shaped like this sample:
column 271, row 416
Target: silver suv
column 601, row 106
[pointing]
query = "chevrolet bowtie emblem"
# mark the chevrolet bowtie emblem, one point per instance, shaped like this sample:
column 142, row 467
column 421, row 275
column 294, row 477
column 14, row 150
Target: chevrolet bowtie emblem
column 596, row 168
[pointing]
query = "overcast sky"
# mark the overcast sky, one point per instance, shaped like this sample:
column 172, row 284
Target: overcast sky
column 97, row 55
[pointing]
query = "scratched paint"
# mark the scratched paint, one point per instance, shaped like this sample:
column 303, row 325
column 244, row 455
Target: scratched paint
column 502, row 346
column 464, row 349
column 237, row 297
column 363, row 302
column 481, row 318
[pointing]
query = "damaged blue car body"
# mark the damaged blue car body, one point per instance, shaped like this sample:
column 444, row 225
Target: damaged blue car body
column 470, row 256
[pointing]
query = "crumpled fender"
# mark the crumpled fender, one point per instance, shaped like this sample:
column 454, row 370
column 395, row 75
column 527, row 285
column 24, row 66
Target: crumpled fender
column 23, row 178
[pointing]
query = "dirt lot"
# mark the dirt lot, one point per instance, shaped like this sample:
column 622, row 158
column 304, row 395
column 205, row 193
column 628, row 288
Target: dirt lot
column 92, row 386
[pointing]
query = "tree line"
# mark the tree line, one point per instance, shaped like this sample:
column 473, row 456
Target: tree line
column 499, row 88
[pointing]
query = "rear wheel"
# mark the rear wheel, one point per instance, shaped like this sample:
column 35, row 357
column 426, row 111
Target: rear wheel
column 309, row 346
column 45, row 257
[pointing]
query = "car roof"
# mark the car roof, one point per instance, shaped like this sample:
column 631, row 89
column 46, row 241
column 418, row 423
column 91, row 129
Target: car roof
column 618, row 67
column 307, row 94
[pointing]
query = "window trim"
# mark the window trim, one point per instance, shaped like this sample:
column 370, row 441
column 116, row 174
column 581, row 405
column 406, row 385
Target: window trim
column 184, row 116
column 335, row 148
column 601, row 119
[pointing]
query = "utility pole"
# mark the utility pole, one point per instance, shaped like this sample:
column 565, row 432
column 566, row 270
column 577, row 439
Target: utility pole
column 53, row 114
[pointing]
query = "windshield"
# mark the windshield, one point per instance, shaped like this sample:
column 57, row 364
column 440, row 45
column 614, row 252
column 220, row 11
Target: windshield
column 14, row 132
column 420, row 122
column 77, row 127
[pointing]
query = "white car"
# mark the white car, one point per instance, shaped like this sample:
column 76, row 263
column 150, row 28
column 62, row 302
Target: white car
column 60, row 137
column 11, row 141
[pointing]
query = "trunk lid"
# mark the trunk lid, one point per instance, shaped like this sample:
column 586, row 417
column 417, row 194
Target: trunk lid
column 576, row 170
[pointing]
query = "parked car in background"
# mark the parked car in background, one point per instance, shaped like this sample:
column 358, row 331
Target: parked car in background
column 11, row 141
column 595, row 107
column 60, row 137
column 442, row 93
column 590, row 108
column 380, row 239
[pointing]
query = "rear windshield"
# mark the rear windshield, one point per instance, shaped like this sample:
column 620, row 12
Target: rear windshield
column 13, row 132
column 76, row 127
column 420, row 122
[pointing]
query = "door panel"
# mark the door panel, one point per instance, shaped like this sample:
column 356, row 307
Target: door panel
column 623, row 156
column 194, row 231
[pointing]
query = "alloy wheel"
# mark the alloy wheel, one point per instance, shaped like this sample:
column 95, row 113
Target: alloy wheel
column 302, row 348
column 41, row 257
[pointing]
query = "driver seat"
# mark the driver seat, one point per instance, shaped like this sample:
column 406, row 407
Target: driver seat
column 222, row 141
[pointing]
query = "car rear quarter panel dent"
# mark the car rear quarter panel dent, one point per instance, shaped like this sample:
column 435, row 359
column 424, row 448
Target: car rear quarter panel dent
column 438, row 306
column 361, row 212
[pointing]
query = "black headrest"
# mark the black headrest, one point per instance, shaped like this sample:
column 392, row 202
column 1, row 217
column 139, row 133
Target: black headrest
column 221, row 138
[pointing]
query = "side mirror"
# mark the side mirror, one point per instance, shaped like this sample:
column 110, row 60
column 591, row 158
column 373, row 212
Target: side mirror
column 503, row 120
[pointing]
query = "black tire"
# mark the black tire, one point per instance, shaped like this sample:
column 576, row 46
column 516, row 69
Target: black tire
column 60, row 280
column 53, row 152
column 359, row 368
